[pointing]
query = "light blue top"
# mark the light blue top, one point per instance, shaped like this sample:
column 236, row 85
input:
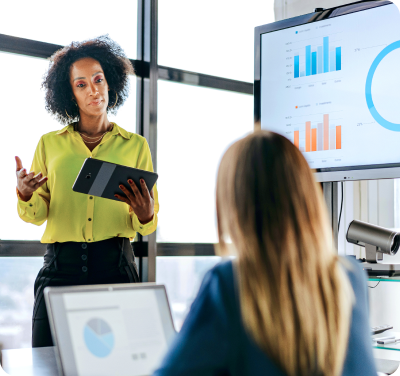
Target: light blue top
column 213, row 340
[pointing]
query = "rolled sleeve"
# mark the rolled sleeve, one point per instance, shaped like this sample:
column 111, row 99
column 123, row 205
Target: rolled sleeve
column 144, row 229
column 32, row 211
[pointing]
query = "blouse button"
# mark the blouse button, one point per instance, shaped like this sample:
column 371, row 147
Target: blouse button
column 89, row 219
column 84, row 245
column 91, row 197
column 30, row 205
column 84, row 269
column 84, row 257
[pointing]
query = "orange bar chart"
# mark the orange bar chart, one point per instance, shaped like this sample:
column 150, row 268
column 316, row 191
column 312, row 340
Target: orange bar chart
column 308, row 136
column 314, row 139
column 338, row 137
column 297, row 138
column 318, row 136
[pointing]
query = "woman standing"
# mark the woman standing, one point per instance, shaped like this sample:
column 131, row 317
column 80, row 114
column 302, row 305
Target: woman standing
column 87, row 237
column 287, row 305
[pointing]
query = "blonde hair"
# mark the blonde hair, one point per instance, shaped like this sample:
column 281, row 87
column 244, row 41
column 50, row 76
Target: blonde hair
column 296, row 299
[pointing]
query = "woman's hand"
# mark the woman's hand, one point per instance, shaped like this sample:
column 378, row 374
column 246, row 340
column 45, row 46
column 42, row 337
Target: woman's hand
column 141, row 203
column 27, row 183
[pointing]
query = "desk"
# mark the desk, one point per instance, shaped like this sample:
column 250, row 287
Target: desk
column 42, row 362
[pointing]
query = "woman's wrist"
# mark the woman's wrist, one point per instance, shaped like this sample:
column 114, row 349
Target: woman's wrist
column 23, row 197
column 144, row 222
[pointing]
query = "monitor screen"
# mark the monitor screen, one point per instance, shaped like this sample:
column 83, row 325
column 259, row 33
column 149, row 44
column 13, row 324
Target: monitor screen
column 332, row 87
column 123, row 331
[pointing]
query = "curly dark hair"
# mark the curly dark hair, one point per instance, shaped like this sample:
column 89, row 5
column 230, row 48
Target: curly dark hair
column 56, row 82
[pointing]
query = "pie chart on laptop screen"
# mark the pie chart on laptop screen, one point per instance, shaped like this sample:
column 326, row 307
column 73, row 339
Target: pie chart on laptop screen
column 99, row 337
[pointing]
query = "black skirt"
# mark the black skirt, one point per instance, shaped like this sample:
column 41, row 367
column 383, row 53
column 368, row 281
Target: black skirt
column 71, row 264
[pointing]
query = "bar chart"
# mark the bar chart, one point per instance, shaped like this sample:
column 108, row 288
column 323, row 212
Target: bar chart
column 318, row 136
column 317, row 59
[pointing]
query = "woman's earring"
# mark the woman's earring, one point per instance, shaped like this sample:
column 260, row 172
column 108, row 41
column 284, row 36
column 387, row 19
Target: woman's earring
column 76, row 105
column 116, row 100
column 67, row 114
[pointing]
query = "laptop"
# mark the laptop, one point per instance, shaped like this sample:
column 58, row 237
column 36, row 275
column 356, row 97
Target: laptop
column 122, row 329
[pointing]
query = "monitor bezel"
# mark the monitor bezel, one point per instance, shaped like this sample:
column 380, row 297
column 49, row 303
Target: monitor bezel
column 363, row 172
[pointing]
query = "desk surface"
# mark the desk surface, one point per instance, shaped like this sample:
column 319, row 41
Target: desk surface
column 42, row 362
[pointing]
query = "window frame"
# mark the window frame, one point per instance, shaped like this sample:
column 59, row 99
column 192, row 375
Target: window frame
column 148, row 72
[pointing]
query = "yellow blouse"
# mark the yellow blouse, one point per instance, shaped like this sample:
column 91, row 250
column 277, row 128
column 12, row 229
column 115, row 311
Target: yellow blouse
column 78, row 217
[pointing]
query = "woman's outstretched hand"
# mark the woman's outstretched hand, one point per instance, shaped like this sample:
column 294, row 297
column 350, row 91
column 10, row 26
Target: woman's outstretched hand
column 141, row 203
column 27, row 183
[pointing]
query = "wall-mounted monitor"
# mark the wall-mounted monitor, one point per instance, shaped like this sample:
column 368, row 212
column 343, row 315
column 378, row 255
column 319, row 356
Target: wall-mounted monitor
column 330, row 82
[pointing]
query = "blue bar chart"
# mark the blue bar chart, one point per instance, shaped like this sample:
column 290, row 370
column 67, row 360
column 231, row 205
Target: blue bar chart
column 320, row 58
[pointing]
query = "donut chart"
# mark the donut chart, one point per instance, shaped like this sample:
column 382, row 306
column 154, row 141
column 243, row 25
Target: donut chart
column 99, row 337
column 368, row 88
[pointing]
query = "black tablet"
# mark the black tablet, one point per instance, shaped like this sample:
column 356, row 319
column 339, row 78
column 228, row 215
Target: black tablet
column 102, row 179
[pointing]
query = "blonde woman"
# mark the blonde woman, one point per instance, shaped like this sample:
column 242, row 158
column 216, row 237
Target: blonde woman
column 287, row 305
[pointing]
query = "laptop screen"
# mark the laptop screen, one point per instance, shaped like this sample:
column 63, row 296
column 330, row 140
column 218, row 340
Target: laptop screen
column 112, row 332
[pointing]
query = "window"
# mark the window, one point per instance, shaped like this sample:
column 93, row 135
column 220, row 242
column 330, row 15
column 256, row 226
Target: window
column 182, row 277
column 24, row 120
column 17, row 275
column 195, row 127
column 211, row 37
column 61, row 22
